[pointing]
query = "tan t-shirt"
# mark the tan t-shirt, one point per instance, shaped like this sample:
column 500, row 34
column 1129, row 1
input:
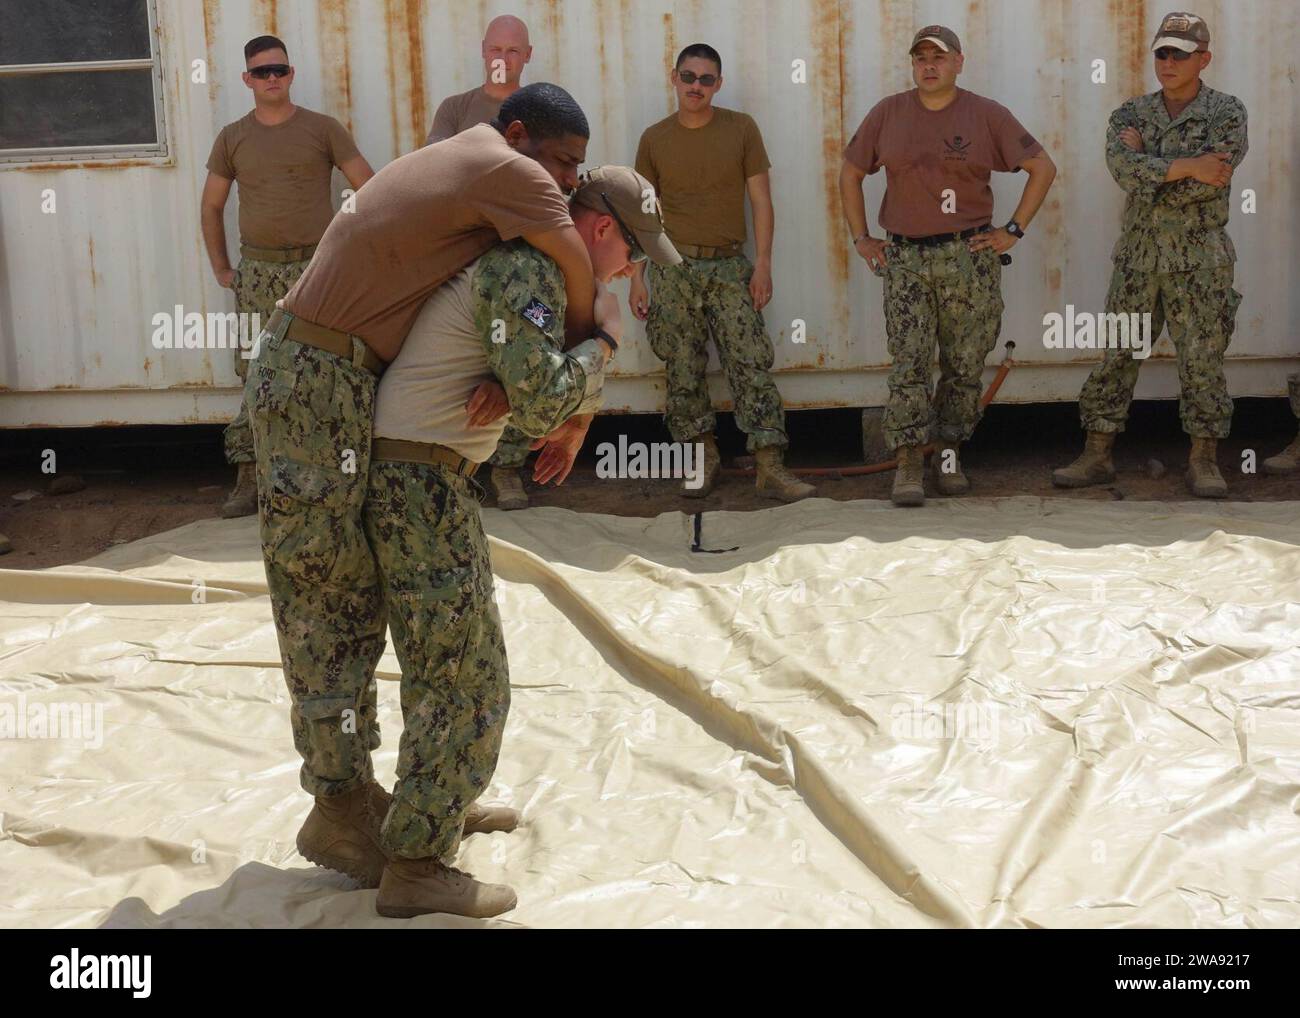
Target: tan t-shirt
column 699, row 174
column 283, row 173
column 419, row 220
column 456, row 113
column 925, row 152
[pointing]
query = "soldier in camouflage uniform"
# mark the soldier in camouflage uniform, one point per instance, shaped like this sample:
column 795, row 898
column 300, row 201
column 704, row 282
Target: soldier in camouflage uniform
column 942, row 263
column 282, row 157
column 496, row 330
column 1173, row 152
column 703, row 161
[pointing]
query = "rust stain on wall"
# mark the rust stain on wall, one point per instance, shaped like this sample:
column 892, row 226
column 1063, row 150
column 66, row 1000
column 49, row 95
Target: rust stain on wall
column 1128, row 20
column 402, row 22
column 670, row 57
column 332, row 19
column 268, row 13
column 211, row 23
column 90, row 244
column 826, row 79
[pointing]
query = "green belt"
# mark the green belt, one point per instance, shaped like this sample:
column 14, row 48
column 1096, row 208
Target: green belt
column 694, row 251
column 270, row 254
column 429, row 453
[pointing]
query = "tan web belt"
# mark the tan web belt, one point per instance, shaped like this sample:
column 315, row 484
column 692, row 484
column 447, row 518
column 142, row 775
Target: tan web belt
column 271, row 254
column 430, row 453
column 330, row 340
column 694, row 251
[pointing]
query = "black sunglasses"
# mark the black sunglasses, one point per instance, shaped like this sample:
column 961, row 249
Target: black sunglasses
column 690, row 78
column 635, row 252
column 266, row 70
column 1165, row 52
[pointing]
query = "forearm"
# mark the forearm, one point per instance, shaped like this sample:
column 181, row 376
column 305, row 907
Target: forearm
column 566, row 248
column 853, row 201
column 764, row 228
column 1035, row 193
column 214, row 239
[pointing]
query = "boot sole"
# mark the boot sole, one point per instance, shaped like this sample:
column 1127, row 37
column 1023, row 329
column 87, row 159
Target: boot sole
column 368, row 880
column 415, row 911
column 782, row 497
column 908, row 501
column 1280, row 471
column 512, row 504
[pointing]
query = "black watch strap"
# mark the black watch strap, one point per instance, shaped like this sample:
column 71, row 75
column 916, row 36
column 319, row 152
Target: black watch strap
column 602, row 334
column 1015, row 229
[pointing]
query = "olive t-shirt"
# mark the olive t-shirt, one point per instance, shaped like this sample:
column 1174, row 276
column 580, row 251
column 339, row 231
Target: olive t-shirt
column 283, row 172
column 925, row 152
column 418, row 221
column 458, row 112
column 699, row 174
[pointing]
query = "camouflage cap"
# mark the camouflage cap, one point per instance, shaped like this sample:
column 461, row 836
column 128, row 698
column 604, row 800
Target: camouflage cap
column 945, row 38
column 626, row 194
column 1186, row 32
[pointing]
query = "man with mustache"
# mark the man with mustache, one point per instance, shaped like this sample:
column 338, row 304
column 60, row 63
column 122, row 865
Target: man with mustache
column 939, row 144
column 1173, row 153
column 702, row 161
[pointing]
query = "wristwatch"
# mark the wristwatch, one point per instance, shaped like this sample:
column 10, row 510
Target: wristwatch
column 1014, row 229
column 613, row 343
column 858, row 240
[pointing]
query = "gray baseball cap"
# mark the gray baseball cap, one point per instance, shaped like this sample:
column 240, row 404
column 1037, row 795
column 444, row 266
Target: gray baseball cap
column 625, row 194
column 1183, row 31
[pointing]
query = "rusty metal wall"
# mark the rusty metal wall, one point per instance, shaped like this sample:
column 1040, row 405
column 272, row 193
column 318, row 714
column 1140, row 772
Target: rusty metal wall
column 78, row 288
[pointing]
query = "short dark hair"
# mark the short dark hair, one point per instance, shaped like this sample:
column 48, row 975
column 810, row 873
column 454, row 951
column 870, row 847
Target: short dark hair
column 261, row 44
column 545, row 110
column 699, row 49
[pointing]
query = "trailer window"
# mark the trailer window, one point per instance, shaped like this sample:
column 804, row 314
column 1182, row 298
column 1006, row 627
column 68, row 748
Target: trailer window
column 79, row 80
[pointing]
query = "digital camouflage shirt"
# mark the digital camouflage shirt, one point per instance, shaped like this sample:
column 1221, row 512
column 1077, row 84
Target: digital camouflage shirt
column 519, row 303
column 1177, row 226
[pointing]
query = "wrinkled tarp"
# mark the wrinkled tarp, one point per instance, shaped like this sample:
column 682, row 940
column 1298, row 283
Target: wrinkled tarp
column 1011, row 712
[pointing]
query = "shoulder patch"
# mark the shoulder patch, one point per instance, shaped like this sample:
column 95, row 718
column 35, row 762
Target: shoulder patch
column 539, row 314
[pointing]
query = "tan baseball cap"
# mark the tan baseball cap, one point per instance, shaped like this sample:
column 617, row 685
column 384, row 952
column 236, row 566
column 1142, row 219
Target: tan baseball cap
column 622, row 191
column 1183, row 31
column 945, row 38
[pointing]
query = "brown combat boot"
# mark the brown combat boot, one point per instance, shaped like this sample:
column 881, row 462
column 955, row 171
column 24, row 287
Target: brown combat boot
column 1203, row 476
column 774, row 480
column 1285, row 462
column 909, row 478
column 480, row 819
column 412, row 887
column 712, row 467
column 342, row 833
column 946, row 469
column 1093, row 466
column 509, row 489
column 242, row 500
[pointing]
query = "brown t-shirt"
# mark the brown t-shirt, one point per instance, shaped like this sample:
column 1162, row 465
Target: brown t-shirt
column 458, row 112
column 418, row 221
column 283, row 172
column 699, row 174
column 924, row 152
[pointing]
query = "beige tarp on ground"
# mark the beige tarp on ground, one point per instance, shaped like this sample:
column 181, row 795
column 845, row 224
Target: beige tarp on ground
column 982, row 713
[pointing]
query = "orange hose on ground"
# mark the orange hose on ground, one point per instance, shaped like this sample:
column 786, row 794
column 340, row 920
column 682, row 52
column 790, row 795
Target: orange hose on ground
column 879, row 468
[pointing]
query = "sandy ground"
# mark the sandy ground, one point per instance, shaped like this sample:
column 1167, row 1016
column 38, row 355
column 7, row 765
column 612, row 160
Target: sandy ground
column 140, row 481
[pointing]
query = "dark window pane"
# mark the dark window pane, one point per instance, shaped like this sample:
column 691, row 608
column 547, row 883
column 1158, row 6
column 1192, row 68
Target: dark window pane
column 56, row 31
column 77, row 108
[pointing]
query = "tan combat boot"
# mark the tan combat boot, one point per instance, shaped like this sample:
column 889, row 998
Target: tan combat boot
column 774, row 480
column 712, row 467
column 1285, row 462
column 480, row 819
column 412, row 887
column 342, row 833
column 948, row 476
column 1203, row 475
column 909, row 479
column 509, row 489
column 242, row 500
column 1093, row 466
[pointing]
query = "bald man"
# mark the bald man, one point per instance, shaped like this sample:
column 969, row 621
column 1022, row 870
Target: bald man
column 505, row 52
